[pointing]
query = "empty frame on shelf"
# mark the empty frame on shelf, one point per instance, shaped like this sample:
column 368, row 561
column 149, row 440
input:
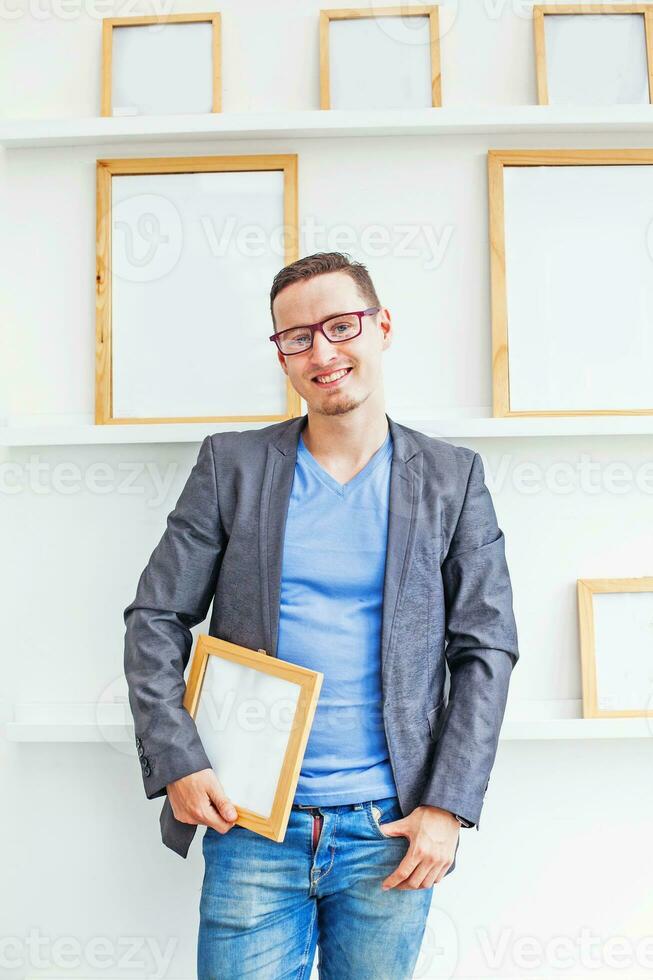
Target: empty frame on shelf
column 187, row 248
column 571, row 244
column 616, row 635
column 253, row 714
column 594, row 54
column 380, row 58
column 161, row 64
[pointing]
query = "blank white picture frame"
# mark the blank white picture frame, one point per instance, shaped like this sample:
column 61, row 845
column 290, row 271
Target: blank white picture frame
column 186, row 257
column 253, row 715
column 248, row 711
column 616, row 633
column 161, row 65
column 572, row 281
column 594, row 55
column 380, row 58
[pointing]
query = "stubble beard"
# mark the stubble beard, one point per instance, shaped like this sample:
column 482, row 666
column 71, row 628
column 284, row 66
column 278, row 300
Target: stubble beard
column 339, row 406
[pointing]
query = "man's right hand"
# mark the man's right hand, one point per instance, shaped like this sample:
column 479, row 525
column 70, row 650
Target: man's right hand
column 200, row 799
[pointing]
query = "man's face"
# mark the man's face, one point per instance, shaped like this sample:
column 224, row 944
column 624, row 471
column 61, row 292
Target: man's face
column 317, row 299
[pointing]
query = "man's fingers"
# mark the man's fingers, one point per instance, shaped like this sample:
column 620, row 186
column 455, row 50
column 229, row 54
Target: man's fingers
column 220, row 809
column 199, row 798
column 405, row 868
column 213, row 819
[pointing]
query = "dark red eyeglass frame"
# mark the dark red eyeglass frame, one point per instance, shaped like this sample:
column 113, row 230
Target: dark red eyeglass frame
column 320, row 326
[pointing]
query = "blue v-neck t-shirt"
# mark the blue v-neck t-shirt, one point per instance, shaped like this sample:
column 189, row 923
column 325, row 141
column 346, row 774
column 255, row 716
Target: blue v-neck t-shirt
column 330, row 615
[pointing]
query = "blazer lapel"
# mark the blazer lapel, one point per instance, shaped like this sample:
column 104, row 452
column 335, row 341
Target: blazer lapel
column 275, row 498
column 405, row 490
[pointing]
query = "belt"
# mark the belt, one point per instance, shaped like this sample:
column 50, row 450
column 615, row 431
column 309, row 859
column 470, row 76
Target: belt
column 316, row 806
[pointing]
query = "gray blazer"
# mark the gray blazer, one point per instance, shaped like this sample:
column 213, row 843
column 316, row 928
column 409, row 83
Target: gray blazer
column 447, row 600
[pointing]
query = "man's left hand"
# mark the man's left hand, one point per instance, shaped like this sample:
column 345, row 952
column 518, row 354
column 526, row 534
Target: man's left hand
column 433, row 834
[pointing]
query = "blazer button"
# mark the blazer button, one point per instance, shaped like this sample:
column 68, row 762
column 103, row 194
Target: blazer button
column 138, row 741
column 147, row 770
column 141, row 751
column 145, row 761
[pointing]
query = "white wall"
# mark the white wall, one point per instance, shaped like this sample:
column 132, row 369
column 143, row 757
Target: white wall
column 565, row 844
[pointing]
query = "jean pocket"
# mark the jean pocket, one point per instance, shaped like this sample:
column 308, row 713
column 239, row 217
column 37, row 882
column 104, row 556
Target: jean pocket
column 383, row 811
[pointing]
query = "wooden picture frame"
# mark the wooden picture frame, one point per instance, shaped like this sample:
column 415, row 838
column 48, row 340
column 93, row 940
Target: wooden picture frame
column 542, row 11
column 182, row 199
column 226, row 681
column 214, row 72
column 549, row 358
column 430, row 11
column 616, row 646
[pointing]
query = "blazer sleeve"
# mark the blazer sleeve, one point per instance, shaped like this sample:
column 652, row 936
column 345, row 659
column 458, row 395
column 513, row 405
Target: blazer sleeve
column 174, row 593
column 481, row 651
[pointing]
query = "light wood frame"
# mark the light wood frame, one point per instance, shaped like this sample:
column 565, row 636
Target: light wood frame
column 106, row 169
column 109, row 23
column 310, row 683
column 429, row 10
column 541, row 10
column 497, row 160
column 586, row 589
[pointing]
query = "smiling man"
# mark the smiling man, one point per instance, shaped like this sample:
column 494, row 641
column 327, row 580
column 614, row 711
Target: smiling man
column 353, row 545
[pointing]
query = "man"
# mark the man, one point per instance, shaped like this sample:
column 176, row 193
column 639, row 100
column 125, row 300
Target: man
column 347, row 543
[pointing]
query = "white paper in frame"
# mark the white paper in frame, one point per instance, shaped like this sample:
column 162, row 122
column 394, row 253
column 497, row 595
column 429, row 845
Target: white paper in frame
column 157, row 65
column 572, row 281
column 405, row 41
column 594, row 54
column 253, row 715
column 616, row 635
column 185, row 265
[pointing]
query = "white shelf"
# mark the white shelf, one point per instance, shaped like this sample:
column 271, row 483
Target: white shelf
column 111, row 723
column 72, row 732
column 501, row 428
column 108, row 721
column 454, row 428
column 577, row 728
column 99, row 435
column 310, row 123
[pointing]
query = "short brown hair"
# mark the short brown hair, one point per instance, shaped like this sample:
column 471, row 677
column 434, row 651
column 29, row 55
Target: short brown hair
column 319, row 264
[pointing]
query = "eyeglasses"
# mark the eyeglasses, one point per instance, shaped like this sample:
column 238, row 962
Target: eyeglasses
column 336, row 329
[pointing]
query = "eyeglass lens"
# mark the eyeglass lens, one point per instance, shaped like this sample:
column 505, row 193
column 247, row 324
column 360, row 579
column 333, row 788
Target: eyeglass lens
column 338, row 328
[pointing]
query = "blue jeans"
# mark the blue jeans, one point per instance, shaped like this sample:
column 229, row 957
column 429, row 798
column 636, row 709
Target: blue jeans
column 266, row 905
